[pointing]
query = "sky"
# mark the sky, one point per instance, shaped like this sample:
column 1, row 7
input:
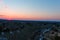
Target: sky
column 30, row 9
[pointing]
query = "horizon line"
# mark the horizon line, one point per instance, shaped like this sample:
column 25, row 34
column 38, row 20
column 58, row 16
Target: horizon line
column 32, row 20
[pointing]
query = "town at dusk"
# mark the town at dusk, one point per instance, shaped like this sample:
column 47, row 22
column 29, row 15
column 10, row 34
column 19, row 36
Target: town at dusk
column 29, row 19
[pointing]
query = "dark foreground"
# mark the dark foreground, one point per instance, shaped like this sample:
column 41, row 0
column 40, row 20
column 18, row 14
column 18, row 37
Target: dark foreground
column 29, row 30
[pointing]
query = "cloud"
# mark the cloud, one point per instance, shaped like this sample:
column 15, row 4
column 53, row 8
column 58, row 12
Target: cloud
column 1, row 15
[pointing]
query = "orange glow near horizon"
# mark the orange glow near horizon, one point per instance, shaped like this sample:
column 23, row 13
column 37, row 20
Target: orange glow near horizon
column 24, row 18
column 6, row 15
column 9, row 14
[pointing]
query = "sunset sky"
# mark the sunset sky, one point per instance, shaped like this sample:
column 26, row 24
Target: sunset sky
column 30, row 9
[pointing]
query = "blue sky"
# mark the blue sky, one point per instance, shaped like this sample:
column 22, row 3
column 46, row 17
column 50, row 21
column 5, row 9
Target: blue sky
column 33, row 9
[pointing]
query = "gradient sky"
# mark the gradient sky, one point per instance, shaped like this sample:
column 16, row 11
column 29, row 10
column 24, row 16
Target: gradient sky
column 30, row 9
